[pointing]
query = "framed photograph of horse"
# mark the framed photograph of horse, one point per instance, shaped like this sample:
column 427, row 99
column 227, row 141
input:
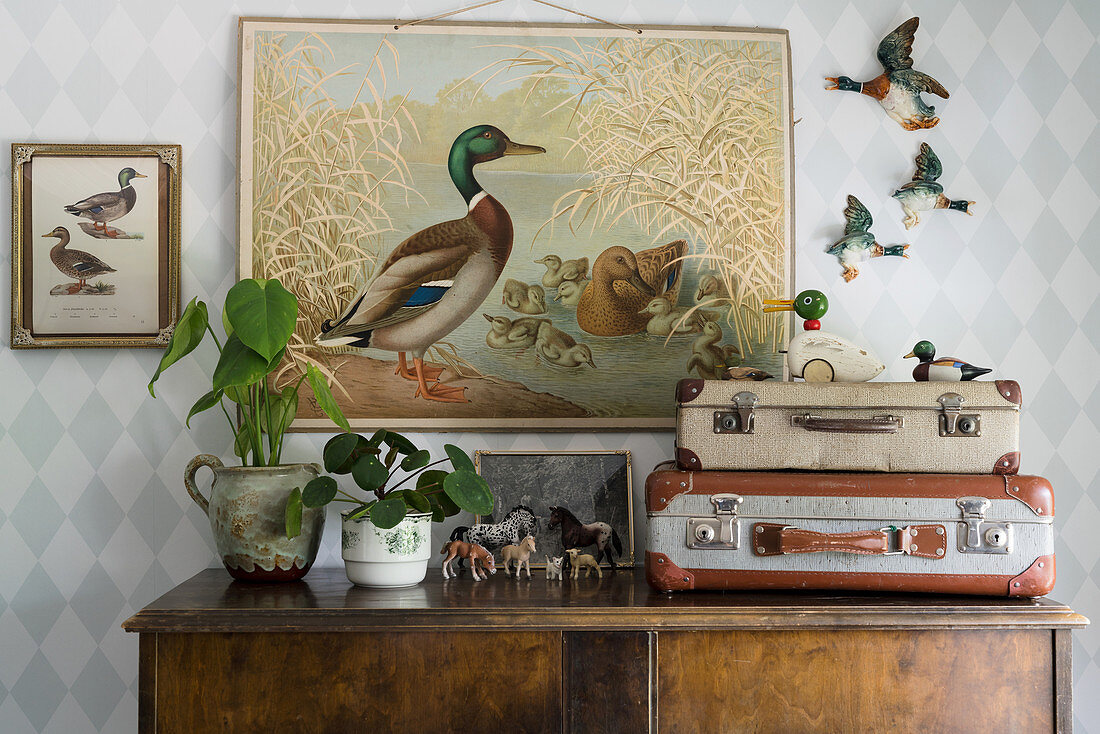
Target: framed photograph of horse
column 580, row 499
column 486, row 230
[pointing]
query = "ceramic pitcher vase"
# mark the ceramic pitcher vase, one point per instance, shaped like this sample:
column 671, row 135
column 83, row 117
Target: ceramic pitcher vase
column 246, row 511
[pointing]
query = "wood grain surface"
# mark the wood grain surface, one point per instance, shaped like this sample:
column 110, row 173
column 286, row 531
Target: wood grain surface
column 606, row 682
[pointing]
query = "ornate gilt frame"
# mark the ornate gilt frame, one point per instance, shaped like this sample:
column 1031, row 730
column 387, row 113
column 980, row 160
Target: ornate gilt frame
column 22, row 330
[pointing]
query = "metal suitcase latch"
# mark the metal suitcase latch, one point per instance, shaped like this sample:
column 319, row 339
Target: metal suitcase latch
column 978, row 535
column 720, row 532
column 953, row 422
column 740, row 420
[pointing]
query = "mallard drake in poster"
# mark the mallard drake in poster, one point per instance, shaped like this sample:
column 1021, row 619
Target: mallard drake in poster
column 75, row 263
column 438, row 277
column 923, row 193
column 858, row 244
column 623, row 283
column 944, row 369
column 899, row 87
column 110, row 205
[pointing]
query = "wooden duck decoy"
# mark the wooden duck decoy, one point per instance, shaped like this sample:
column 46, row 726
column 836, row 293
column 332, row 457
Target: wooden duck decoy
column 506, row 333
column 819, row 356
column 438, row 277
column 899, row 87
column 858, row 244
column 708, row 358
column 746, row 373
column 558, row 270
column 569, row 292
column 624, row 282
column 75, row 263
column 665, row 320
column 923, row 193
column 110, row 205
column 524, row 298
column 557, row 347
column 944, row 369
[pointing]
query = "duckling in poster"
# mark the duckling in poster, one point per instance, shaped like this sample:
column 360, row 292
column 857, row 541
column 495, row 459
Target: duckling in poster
column 424, row 189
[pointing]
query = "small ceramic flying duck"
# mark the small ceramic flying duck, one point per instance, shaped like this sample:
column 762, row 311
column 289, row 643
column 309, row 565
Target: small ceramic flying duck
column 623, row 283
column 110, row 205
column 944, row 369
column 923, row 193
column 819, row 356
column 75, row 263
column 858, row 244
column 437, row 278
column 899, row 87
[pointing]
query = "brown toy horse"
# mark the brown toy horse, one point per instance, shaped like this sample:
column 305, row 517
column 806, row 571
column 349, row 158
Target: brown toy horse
column 477, row 555
column 575, row 534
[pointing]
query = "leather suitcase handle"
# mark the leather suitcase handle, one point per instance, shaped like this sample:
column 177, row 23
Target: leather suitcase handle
column 925, row 541
column 878, row 424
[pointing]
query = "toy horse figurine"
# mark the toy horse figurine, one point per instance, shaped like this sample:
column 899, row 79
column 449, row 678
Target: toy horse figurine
column 575, row 534
column 518, row 554
column 479, row 557
column 578, row 560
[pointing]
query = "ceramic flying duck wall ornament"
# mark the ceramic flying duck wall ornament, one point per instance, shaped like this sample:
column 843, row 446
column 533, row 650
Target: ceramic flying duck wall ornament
column 858, row 244
column 434, row 280
column 819, row 356
column 899, row 87
column 944, row 369
column 923, row 193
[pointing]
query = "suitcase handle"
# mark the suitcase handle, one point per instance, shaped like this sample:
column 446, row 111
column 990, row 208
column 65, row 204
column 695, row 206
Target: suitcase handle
column 877, row 424
column 924, row 541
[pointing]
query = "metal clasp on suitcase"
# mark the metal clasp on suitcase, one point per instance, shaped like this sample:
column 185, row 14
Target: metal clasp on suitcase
column 721, row 532
column 741, row 420
column 953, row 423
column 978, row 535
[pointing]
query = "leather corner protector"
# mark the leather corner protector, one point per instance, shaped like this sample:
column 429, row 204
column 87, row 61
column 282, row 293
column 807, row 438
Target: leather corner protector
column 1010, row 391
column 664, row 575
column 1037, row 580
column 1007, row 464
column 687, row 459
column 662, row 486
column 688, row 389
column 765, row 539
column 1035, row 492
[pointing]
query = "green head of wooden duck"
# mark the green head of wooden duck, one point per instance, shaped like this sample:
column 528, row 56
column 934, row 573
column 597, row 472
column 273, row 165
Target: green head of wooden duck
column 923, row 350
column 480, row 144
column 810, row 305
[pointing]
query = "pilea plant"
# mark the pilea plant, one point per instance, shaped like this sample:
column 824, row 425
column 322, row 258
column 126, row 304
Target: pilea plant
column 258, row 320
column 374, row 463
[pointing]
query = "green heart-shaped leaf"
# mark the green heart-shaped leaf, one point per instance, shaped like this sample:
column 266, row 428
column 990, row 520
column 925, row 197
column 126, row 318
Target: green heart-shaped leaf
column 238, row 366
column 262, row 314
column 369, row 473
column 206, row 402
column 416, row 460
column 469, row 491
column 338, row 452
column 319, row 491
column 185, row 337
column 388, row 512
column 325, row 399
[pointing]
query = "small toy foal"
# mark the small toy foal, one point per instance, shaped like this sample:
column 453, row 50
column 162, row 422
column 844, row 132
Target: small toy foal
column 478, row 556
column 520, row 554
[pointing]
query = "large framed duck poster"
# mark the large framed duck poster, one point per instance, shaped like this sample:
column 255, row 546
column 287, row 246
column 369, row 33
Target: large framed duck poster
column 95, row 245
column 500, row 227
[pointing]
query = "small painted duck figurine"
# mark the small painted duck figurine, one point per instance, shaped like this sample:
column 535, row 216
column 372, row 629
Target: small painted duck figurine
column 557, row 347
column 524, row 298
column 944, row 369
column 899, row 87
column 570, row 291
column 506, row 333
column 75, row 263
column 558, row 270
column 110, row 205
column 710, row 359
column 746, row 373
column 923, row 193
column 819, row 356
column 623, row 283
column 858, row 244
column 437, row 278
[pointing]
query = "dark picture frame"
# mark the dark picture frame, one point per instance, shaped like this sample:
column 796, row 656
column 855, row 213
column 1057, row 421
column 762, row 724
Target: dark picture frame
column 86, row 318
column 593, row 485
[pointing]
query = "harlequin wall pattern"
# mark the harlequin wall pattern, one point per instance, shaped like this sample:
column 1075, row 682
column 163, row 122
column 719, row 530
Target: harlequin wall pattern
column 94, row 522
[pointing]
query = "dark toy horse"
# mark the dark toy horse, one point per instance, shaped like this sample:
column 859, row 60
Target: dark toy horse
column 575, row 534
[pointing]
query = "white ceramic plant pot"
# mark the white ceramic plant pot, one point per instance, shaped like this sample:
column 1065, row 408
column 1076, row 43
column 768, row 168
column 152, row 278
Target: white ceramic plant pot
column 390, row 558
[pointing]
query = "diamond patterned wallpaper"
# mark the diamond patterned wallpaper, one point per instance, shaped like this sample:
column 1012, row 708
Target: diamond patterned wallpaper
column 94, row 521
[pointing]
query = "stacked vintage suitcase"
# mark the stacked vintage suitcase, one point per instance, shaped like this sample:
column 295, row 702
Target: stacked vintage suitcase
column 860, row 486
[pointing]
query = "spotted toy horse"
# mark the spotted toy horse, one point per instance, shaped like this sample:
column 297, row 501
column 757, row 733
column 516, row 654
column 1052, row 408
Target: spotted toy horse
column 575, row 534
column 518, row 523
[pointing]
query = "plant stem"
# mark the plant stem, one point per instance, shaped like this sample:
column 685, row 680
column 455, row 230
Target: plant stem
column 415, row 473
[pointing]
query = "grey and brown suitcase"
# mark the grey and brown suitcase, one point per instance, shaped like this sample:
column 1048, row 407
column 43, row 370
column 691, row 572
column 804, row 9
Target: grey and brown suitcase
column 933, row 427
column 939, row 533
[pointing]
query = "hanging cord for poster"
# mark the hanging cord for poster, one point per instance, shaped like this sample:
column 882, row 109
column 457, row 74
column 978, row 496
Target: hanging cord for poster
column 449, row 13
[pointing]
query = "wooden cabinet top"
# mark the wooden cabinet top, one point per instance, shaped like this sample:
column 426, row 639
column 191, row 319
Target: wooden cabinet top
column 325, row 600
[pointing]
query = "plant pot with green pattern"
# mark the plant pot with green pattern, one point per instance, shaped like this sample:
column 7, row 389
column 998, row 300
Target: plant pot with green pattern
column 400, row 491
column 256, row 388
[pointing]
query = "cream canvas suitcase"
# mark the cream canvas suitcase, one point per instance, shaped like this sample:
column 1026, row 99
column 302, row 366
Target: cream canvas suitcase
column 915, row 427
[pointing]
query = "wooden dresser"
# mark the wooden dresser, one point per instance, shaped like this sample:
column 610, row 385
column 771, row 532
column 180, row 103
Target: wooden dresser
column 592, row 656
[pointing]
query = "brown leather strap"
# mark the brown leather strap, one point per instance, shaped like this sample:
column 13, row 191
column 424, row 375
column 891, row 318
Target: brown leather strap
column 878, row 424
column 924, row 541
